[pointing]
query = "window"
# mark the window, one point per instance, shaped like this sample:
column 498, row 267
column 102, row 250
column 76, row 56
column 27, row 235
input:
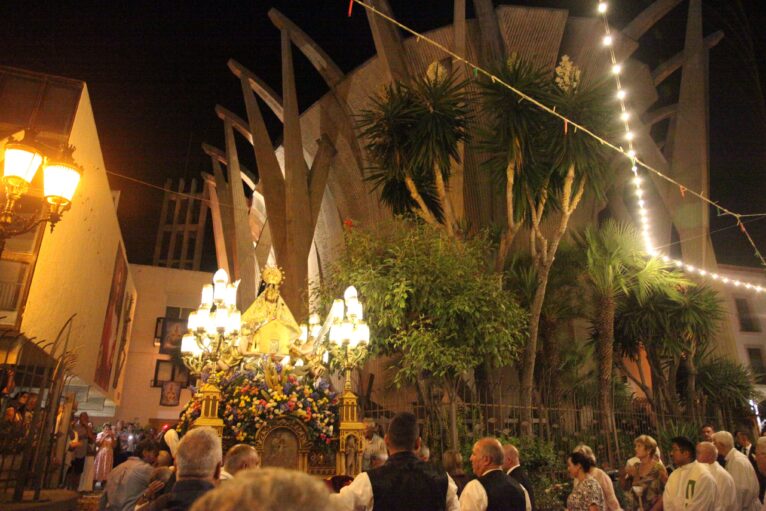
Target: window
column 755, row 356
column 747, row 320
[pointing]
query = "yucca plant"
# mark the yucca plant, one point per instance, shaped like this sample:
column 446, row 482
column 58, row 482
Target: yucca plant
column 728, row 386
column 412, row 133
column 572, row 163
column 510, row 137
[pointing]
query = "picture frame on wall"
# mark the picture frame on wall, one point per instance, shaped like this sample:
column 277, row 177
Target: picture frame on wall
column 171, row 393
column 173, row 331
column 163, row 372
column 181, row 374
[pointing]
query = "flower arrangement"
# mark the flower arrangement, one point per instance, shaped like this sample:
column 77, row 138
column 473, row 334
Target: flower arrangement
column 249, row 402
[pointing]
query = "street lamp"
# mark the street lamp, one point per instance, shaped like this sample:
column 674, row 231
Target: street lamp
column 213, row 335
column 60, row 179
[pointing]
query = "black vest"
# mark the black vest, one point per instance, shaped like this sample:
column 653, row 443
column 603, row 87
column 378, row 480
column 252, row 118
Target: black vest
column 405, row 483
column 503, row 492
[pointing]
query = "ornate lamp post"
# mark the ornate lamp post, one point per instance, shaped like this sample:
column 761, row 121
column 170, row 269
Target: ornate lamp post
column 213, row 341
column 349, row 337
column 60, row 179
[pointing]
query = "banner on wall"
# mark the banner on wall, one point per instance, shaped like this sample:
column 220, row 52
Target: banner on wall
column 112, row 321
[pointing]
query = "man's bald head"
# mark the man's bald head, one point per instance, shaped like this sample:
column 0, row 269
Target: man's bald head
column 706, row 452
column 487, row 454
column 511, row 457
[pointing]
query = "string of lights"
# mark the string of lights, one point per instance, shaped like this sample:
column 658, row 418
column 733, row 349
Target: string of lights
column 643, row 210
column 629, row 152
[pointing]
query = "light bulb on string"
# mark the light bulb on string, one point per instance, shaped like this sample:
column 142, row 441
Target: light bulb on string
column 607, row 40
column 602, row 6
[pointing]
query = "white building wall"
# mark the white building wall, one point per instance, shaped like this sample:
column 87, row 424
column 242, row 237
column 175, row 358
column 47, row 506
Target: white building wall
column 157, row 289
column 756, row 304
column 76, row 261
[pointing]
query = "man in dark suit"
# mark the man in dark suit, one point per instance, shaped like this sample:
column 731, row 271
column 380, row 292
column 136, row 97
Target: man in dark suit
column 746, row 447
column 512, row 467
column 404, row 482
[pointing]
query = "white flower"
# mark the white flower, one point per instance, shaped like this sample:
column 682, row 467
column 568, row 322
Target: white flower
column 567, row 75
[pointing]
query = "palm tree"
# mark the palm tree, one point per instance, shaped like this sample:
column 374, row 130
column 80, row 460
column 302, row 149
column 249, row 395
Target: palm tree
column 412, row 134
column 672, row 331
column 617, row 267
column 509, row 137
column 576, row 162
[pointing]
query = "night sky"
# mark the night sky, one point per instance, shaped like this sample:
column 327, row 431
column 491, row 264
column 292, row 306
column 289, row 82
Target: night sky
column 155, row 70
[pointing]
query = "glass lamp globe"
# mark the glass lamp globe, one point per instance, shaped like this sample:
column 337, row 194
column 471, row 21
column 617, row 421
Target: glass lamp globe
column 60, row 181
column 21, row 164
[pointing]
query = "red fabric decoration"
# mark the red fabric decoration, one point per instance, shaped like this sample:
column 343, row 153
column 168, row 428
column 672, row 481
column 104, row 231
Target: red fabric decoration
column 350, row 7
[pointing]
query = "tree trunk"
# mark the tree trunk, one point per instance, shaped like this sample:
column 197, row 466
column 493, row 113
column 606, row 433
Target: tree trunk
column 570, row 198
column 441, row 190
column 530, row 352
column 454, row 440
column 691, row 388
column 422, row 211
column 506, row 239
column 671, row 389
column 605, row 352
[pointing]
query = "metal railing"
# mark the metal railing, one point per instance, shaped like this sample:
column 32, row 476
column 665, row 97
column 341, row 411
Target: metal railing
column 32, row 377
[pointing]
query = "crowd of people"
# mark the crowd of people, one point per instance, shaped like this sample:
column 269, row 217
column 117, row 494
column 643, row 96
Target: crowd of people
column 92, row 456
column 397, row 474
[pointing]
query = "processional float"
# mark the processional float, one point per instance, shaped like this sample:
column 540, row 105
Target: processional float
column 263, row 376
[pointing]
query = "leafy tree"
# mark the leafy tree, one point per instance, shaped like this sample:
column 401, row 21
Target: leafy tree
column 412, row 134
column 570, row 162
column 430, row 300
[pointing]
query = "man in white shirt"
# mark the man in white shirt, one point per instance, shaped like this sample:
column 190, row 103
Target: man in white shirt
column 372, row 444
column 493, row 488
column 727, row 491
column 741, row 471
column 690, row 486
column 404, row 482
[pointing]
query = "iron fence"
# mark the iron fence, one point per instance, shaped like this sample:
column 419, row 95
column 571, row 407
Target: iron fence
column 32, row 425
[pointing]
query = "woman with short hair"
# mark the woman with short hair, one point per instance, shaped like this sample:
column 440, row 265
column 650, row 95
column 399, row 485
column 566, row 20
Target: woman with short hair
column 645, row 475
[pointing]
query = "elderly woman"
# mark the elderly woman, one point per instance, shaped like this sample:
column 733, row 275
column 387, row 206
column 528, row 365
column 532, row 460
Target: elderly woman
column 645, row 475
column 610, row 499
column 587, row 494
column 453, row 464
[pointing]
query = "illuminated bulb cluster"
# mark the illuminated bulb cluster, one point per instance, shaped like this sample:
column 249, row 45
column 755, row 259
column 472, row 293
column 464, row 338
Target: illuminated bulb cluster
column 217, row 315
column 348, row 327
column 643, row 211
